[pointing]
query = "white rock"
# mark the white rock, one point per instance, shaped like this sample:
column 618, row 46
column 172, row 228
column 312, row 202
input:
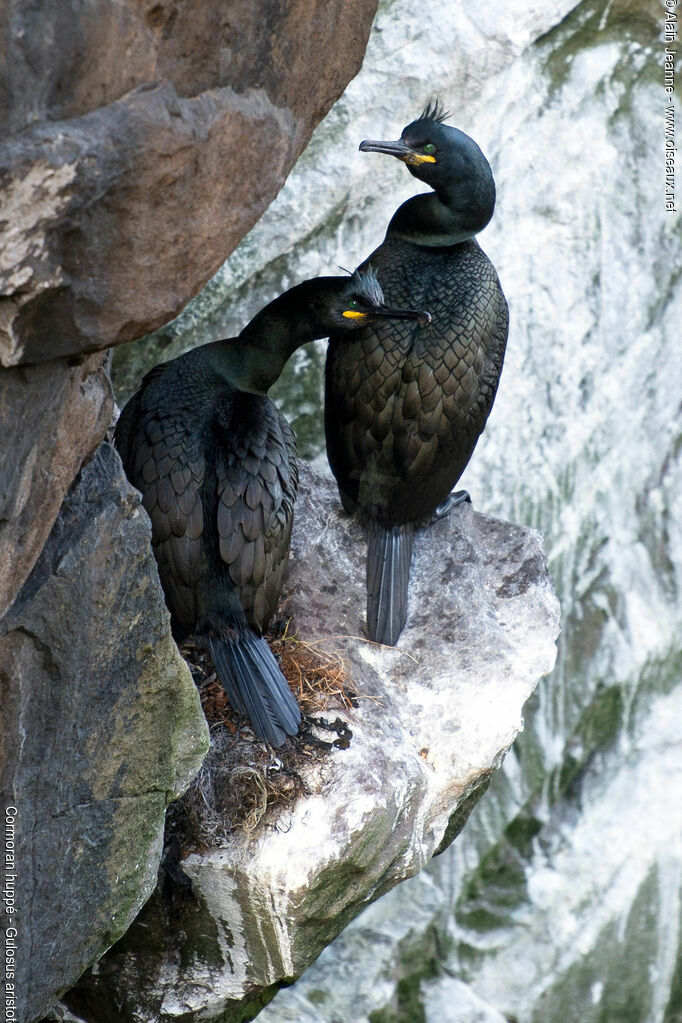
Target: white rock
column 435, row 716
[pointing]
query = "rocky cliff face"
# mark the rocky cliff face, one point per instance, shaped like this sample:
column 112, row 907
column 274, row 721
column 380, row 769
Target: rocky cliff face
column 141, row 142
column 101, row 730
column 433, row 717
column 138, row 143
column 571, row 865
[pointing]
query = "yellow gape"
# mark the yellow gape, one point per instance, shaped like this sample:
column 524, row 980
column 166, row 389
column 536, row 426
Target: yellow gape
column 351, row 314
column 417, row 158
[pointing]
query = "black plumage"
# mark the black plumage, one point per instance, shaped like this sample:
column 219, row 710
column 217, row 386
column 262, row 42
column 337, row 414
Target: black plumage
column 405, row 406
column 216, row 465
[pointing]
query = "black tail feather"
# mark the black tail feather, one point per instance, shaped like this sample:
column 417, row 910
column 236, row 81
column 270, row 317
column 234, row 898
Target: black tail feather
column 389, row 553
column 254, row 684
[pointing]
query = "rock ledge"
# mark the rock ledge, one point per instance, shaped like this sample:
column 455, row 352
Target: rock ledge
column 437, row 715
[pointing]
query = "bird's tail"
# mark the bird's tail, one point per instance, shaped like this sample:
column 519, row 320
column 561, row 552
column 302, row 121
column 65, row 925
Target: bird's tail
column 389, row 553
column 254, row 684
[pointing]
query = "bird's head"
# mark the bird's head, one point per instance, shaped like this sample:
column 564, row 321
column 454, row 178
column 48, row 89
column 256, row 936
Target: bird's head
column 438, row 154
column 362, row 301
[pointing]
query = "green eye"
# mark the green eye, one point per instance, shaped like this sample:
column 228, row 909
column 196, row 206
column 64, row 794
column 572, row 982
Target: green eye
column 429, row 148
column 352, row 304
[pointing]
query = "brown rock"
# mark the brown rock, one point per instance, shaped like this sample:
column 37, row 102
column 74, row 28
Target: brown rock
column 52, row 417
column 141, row 142
column 72, row 59
column 116, row 215
column 138, row 200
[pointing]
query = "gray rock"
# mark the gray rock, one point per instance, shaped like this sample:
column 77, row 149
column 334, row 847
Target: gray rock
column 102, row 728
column 435, row 717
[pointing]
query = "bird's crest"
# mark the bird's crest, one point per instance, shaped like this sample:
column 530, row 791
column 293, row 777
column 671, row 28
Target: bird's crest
column 368, row 283
column 434, row 111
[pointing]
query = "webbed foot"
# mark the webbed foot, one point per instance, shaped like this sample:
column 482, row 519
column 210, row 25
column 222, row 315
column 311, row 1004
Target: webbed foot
column 451, row 501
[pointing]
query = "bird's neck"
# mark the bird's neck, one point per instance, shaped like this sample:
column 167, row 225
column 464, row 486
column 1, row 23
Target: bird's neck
column 453, row 214
column 255, row 359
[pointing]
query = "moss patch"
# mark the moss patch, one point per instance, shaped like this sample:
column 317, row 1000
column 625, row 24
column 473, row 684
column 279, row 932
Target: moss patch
column 585, row 28
column 598, row 730
column 614, row 983
column 461, row 815
column 417, row 965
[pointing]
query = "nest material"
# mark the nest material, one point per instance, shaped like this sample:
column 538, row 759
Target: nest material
column 318, row 678
column 243, row 784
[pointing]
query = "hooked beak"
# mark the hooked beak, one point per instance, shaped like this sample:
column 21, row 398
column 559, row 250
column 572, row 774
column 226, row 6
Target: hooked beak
column 398, row 148
column 421, row 316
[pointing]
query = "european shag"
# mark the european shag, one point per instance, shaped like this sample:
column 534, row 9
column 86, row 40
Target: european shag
column 405, row 406
column 215, row 463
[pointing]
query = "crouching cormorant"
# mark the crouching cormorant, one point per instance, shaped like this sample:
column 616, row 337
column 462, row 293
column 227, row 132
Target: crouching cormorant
column 215, row 463
column 405, row 406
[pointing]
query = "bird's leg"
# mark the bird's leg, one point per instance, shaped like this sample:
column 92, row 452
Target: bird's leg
column 349, row 505
column 451, row 501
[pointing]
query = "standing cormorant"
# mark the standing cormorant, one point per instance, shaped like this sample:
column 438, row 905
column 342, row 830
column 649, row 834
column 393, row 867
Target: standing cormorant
column 405, row 406
column 215, row 463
